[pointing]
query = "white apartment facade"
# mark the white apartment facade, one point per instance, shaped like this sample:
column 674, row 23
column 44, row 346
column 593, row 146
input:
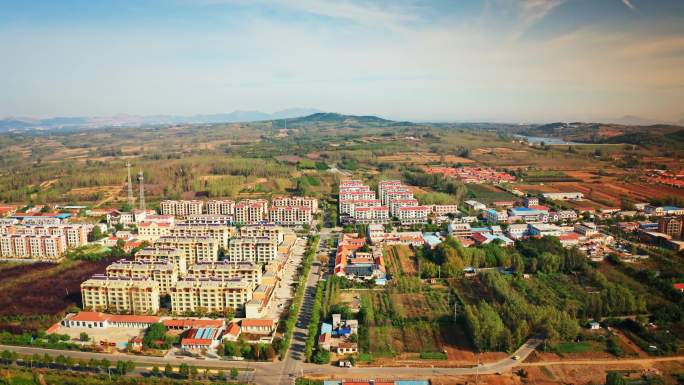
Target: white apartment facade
column 181, row 208
column 220, row 207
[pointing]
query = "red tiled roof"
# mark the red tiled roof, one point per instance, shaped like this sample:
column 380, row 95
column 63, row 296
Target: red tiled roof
column 134, row 318
column 233, row 329
column 52, row 328
column 478, row 237
column 195, row 341
column 679, row 286
column 89, row 316
column 193, row 323
column 568, row 237
column 257, row 322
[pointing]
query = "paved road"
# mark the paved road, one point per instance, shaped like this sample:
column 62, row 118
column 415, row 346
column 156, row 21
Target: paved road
column 274, row 373
column 291, row 366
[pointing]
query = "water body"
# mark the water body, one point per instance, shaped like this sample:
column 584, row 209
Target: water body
column 551, row 141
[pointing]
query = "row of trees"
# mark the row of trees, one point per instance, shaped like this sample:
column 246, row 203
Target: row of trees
column 505, row 322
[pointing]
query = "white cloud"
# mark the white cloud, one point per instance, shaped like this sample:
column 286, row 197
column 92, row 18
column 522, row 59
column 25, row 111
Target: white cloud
column 629, row 4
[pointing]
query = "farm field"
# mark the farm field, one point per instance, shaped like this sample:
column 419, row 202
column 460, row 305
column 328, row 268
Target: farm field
column 604, row 191
column 422, row 158
column 400, row 260
column 486, row 193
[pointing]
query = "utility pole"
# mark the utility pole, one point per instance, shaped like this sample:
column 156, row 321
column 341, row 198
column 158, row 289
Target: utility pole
column 131, row 198
column 142, row 190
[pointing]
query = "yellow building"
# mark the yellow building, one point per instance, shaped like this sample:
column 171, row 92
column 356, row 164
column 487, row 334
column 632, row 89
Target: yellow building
column 160, row 254
column 207, row 295
column 120, row 295
column 194, row 249
column 258, row 250
column 165, row 273
column 248, row 271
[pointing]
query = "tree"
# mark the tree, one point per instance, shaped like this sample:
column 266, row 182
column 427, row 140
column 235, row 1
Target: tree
column 233, row 374
column 322, row 356
column 168, row 370
column 193, row 372
column 8, row 357
column 84, row 337
column 221, row 375
column 155, row 371
column 96, row 234
column 613, row 378
column 184, row 370
column 105, row 364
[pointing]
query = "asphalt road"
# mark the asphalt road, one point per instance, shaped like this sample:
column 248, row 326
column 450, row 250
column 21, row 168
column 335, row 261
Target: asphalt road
column 274, row 373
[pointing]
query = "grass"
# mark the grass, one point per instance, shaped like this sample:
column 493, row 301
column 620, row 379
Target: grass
column 488, row 194
column 575, row 347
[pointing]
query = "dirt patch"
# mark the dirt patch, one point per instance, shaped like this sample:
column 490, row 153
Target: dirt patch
column 40, row 289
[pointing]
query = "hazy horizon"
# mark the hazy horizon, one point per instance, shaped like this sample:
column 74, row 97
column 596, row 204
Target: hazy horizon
column 471, row 60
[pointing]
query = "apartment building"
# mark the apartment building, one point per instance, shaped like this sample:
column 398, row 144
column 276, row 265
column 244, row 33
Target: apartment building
column 251, row 211
column 444, row 210
column 165, row 273
column 258, row 250
column 75, row 235
column 163, row 254
column 195, row 250
column 226, row 270
column 563, row 196
column 413, row 214
column 209, row 295
column 270, row 231
column 587, row 229
column 543, row 230
column 290, row 215
column 181, row 208
column 153, row 230
column 356, row 193
column 48, row 247
column 346, row 207
column 120, row 294
column 671, row 226
column 220, row 207
column 209, row 219
column 367, row 215
column 396, row 204
column 566, row 215
column 494, row 216
column 517, row 230
column 220, row 233
column 285, row 201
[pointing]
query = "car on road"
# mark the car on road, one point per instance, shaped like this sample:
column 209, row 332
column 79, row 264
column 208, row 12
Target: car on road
column 516, row 358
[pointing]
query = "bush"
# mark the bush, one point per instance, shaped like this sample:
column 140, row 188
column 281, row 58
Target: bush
column 433, row 356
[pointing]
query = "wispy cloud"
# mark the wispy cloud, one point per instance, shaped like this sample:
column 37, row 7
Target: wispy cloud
column 533, row 11
column 629, row 4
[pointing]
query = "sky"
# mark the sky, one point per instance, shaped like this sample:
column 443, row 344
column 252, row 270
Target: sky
column 441, row 60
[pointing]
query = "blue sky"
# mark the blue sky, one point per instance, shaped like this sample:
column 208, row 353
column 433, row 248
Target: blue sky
column 503, row 60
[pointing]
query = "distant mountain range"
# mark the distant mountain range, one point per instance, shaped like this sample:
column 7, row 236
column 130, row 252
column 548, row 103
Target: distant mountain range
column 81, row 122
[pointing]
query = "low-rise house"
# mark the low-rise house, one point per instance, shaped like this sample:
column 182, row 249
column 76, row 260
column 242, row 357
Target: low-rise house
column 232, row 332
column 258, row 326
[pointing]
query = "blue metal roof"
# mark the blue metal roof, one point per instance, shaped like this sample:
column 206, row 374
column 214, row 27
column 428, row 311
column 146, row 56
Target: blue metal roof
column 326, row 328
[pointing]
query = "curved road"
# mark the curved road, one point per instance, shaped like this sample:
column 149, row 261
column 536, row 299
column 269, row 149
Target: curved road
column 272, row 373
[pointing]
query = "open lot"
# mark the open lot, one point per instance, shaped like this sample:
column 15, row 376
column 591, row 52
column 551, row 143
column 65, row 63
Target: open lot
column 35, row 295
